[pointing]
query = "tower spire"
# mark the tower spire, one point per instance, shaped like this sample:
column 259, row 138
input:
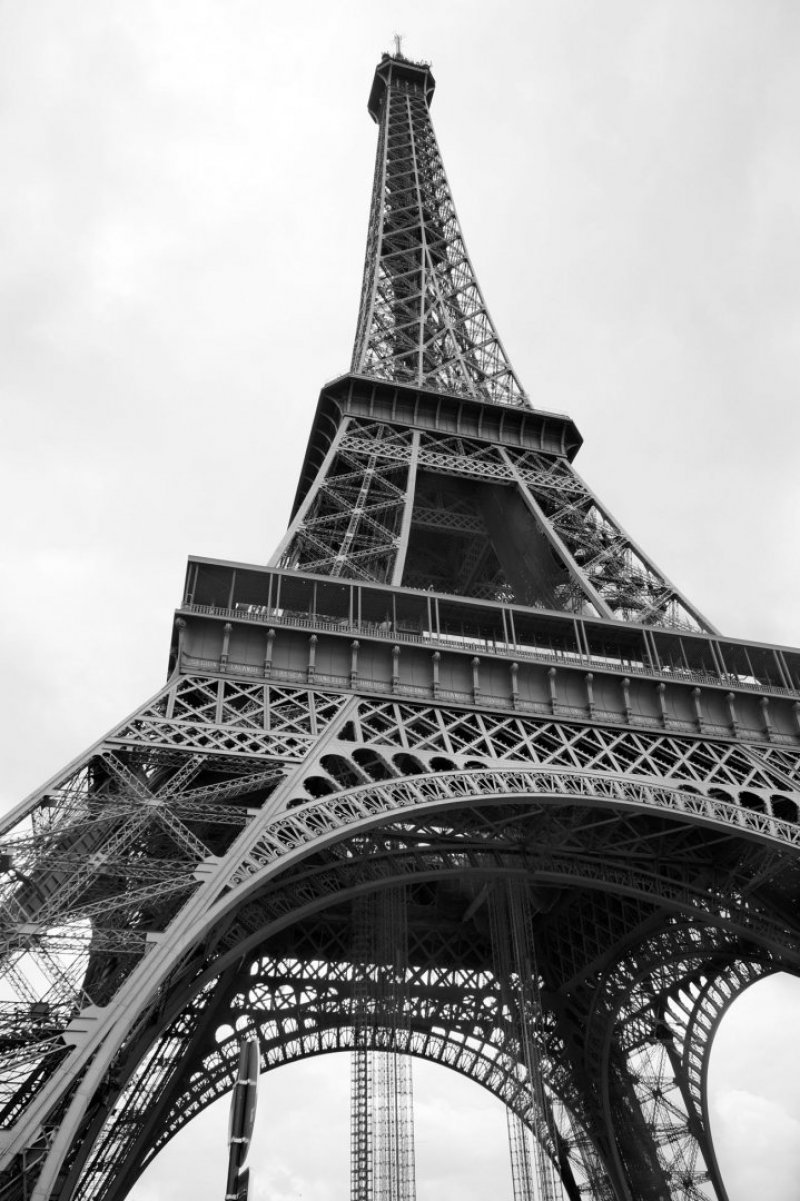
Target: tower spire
column 422, row 318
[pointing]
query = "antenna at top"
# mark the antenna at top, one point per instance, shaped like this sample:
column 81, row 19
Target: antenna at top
column 398, row 45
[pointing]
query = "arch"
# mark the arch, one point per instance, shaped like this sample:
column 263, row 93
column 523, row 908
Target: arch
column 685, row 1007
column 374, row 764
column 342, row 770
column 507, row 799
column 378, row 863
column 785, row 808
column 408, row 764
column 316, row 787
column 752, row 800
column 466, row 1043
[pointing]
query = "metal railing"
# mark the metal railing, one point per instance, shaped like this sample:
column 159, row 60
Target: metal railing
column 489, row 646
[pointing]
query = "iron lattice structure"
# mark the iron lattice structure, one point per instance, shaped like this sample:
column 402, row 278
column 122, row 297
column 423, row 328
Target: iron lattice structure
column 381, row 1094
column 459, row 682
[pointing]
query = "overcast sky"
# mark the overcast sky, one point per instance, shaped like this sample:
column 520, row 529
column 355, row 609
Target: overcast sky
column 183, row 209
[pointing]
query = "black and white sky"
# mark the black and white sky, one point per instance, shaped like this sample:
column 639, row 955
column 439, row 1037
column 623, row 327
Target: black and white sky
column 183, row 210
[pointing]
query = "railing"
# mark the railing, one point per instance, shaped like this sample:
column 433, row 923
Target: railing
column 555, row 656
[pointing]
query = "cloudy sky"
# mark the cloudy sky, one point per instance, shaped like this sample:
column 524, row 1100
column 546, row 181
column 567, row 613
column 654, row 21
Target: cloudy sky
column 183, row 208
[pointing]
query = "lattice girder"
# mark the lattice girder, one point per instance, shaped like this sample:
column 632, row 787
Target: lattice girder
column 438, row 1003
column 422, row 317
column 381, row 509
column 565, row 784
column 374, row 804
column 653, row 1014
column 98, row 862
column 302, row 1020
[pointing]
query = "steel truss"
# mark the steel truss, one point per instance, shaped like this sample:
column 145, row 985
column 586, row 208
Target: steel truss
column 656, row 893
column 384, row 491
column 382, row 1111
column 422, row 317
column 460, row 776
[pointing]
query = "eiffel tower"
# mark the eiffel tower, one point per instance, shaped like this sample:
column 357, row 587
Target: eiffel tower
column 459, row 695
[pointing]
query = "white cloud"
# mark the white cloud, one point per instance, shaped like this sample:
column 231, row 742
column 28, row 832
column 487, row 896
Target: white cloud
column 768, row 1135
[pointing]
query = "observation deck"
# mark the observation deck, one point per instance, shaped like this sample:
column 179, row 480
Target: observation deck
column 394, row 69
